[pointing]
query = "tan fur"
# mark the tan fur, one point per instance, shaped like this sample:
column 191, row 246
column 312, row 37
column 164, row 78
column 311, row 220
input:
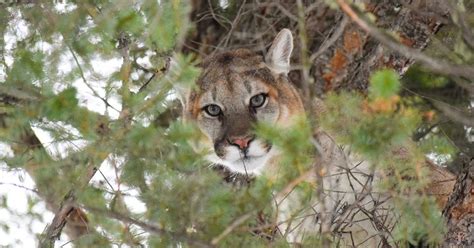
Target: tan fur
column 230, row 80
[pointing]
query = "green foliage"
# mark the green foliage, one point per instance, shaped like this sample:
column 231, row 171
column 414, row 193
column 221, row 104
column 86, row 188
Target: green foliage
column 92, row 197
column 420, row 77
column 60, row 106
column 371, row 127
column 438, row 145
column 171, row 18
column 27, row 68
column 428, row 227
column 384, row 84
column 293, row 142
column 380, row 129
column 184, row 71
column 48, row 96
column 183, row 198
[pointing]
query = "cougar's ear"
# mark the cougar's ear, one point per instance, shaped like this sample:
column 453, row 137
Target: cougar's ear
column 278, row 56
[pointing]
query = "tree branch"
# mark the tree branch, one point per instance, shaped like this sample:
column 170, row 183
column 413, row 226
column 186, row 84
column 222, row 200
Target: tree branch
column 151, row 228
column 53, row 230
column 29, row 143
column 427, row 61
column 454, row 114
column 459, row 18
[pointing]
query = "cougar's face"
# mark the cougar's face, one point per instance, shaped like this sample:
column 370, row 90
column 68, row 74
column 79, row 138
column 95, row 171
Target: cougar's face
column 236, row 90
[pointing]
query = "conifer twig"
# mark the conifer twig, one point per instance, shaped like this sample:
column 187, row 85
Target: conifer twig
column 151, row 228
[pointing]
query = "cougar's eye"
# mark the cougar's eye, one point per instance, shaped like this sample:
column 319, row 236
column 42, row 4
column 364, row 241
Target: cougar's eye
column 213, row 110
column 257, row 101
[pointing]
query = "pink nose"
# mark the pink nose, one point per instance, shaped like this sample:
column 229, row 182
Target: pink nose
column 241, row 142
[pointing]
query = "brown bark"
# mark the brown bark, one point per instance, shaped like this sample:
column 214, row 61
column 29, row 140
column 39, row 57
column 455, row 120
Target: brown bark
column 442, row 183
column 459, row 209
column 26, row 143
column 74, row 219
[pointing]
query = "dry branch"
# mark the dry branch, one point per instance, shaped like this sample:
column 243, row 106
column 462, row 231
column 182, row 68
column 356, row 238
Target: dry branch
column 454, row 114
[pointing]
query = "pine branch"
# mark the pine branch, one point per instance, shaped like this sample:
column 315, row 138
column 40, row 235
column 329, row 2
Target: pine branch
column 454, row 114
column 29, row 143
column 151, row 228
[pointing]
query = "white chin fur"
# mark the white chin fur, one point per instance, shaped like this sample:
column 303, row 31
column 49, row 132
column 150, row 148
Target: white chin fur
column 257, row 158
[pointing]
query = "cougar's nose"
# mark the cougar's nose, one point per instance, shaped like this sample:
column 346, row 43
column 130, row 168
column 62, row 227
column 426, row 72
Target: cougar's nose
column 242, row 142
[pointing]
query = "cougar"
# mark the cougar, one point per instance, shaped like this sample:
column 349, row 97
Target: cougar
column 239, row 88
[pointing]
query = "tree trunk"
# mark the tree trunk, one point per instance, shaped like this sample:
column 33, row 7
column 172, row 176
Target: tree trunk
column 459, row 209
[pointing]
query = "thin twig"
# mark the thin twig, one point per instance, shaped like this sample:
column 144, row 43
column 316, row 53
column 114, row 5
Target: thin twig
column 239, row 221
column 21, row 187
column 234, row 23
column 457, row 116
column 106, row 180
column 420, row 135
column 281, row 8
column 162, row 71
column 143, row 87
column 224, row 42
column 329, row 42
column 214, row 16
column 81, row 72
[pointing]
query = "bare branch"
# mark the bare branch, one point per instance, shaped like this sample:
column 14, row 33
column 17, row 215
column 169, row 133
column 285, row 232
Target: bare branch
column 281, row 8
column 454, row 114
column 465, row 85
column 329, row 42
column 21, row 187
column 460, row 19
column 81, row 72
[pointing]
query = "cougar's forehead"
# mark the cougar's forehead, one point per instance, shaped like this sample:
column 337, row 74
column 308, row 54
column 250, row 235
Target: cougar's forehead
column 233, row 66
column 232, row 77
